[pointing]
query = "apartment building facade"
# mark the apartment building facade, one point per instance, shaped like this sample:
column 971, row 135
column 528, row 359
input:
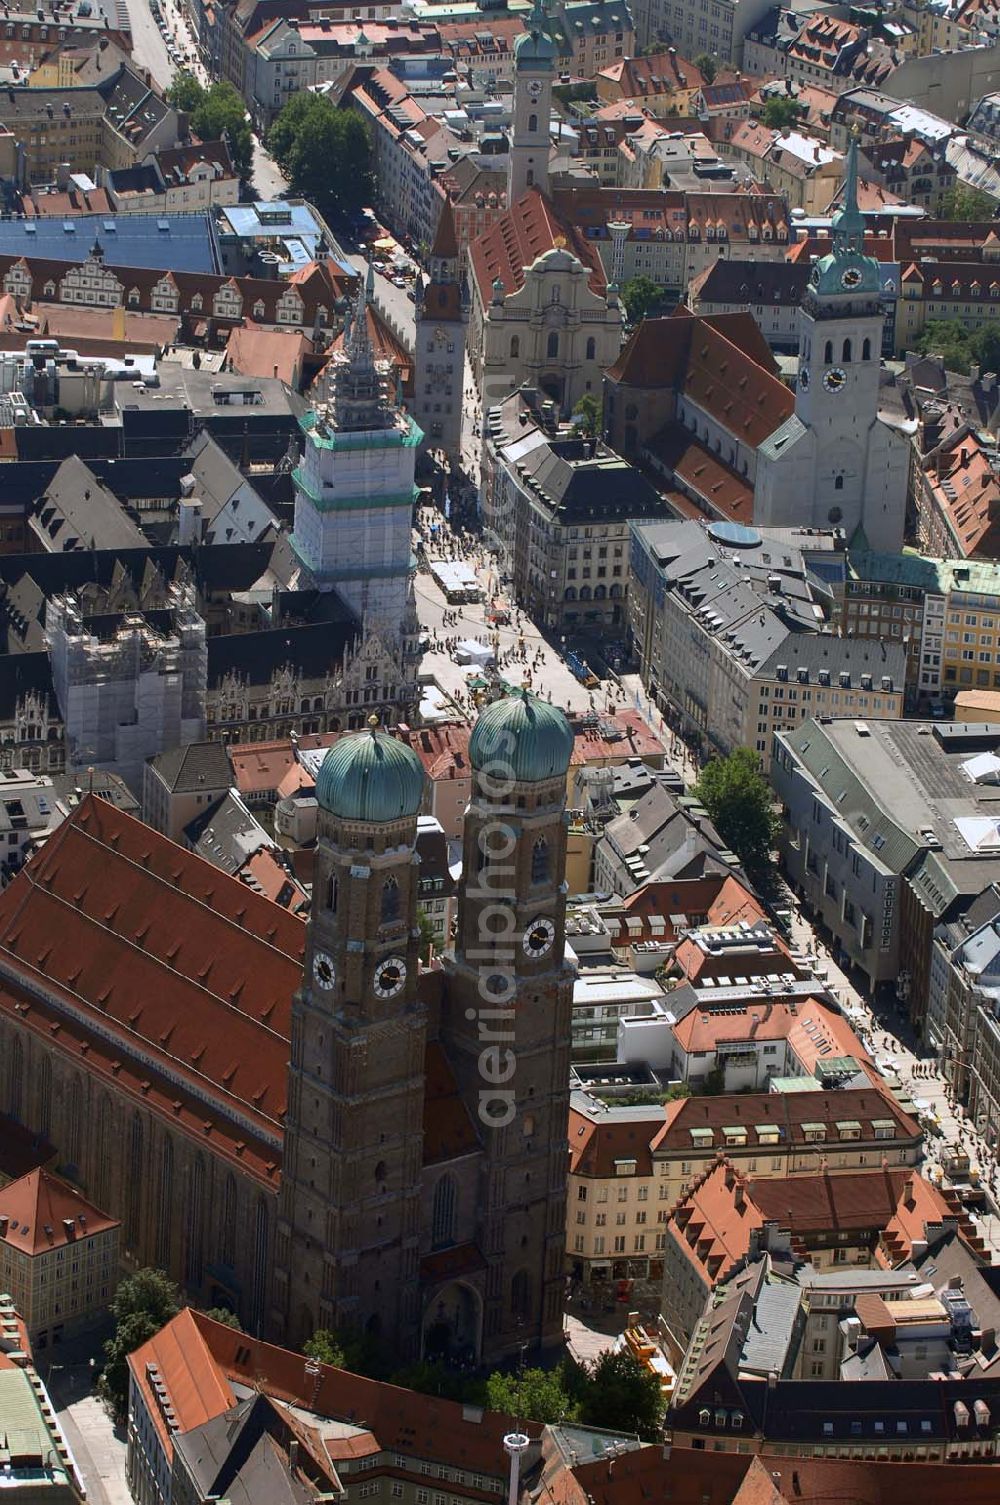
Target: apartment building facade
column 629, row 1165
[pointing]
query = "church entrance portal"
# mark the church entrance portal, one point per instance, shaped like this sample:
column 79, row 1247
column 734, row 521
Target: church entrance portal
column 453, row 1321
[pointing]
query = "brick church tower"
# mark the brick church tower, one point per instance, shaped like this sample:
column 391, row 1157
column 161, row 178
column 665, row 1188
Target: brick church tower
column 424, row 1180
column 506, row 1017
column 347, row 1247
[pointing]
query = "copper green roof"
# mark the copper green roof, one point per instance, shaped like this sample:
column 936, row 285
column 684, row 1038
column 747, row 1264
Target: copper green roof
column 523, row 738
column 370, row 777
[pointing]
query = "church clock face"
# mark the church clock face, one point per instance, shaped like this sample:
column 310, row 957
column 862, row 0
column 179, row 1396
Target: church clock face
column 538, row 938
column 851, row 278
column 324, row 971
column 835, row 380
column 390, row 976
column 534, row 89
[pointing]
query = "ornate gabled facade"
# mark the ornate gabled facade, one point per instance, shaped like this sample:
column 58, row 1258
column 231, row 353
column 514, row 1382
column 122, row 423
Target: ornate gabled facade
column 294, row 1120
column 206, row 304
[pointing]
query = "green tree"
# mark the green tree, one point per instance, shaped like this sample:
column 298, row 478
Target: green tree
column 641, row 297
column 781, row 113
column 623, row 1396
column 588, row 411
column 324, row 152
column 185, row 92
column 428, row 935
column 431, row 1378
column 707, row 66
column 948, row 339
column 966, row 203
column 985, row 343
column 142, row 1304
column 361, row 1353
column 225, row 1316
column 532, row 1395
column 738, row 800
column 325, row 1348
column 219, row 110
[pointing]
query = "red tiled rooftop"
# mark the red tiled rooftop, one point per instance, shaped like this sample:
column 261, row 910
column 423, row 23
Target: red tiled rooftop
column 39, row 1207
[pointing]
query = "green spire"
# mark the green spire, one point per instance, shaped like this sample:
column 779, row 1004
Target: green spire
column 848, row 223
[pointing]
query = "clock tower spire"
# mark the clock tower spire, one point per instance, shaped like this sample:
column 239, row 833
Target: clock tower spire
column 534, row 71
column 836, row 463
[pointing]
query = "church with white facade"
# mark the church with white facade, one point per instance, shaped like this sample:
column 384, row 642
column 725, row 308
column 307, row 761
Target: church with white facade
column 834, row 462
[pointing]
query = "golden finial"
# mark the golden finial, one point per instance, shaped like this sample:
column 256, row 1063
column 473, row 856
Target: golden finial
column 373, row 721
column 559, row 242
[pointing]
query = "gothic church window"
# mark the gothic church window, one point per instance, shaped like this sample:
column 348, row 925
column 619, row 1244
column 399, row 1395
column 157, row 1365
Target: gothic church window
column 591, row 348
column 847, row 350
column 552, row 347
column 520, row 1296
column 532, row 122
column 443, row 1212
column 866, row 350
column 15, row 1080
column 515, row 347
column 828, row 353
column 390, row 902
column 540, row 861
column 332, row 894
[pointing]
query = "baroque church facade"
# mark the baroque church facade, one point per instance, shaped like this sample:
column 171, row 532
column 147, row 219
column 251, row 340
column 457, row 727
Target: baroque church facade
column 295, row 1120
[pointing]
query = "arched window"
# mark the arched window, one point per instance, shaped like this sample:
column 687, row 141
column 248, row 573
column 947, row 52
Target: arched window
column 103, row 1152
column 552, row 347
column 599, row 592
column 615, row 592
column 43, row 1114
column 164, row 1222
column 529, row 179
column 73, row 1121
column 260, row 1241
column 532, row 123
column 866, row 350
column 847, row 350
column 443, row 1212
column 390, row 901
column 135, row 1182
column 15, row 1079
column 194, row 1222
column 332, row 893
column 828, row 353
column 838, row 484
column 515, row 346
column 585, row 593
column 227, row 1243
column 520, row 1296
column 540, row 866
column 381, row 1175
column 570, row 593
column 591, row 348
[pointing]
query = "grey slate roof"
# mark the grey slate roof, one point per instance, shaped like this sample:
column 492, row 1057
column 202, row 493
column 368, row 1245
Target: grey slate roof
column 200, row 765
column 76, row 512
column 899, row 787
column 237, row 1457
